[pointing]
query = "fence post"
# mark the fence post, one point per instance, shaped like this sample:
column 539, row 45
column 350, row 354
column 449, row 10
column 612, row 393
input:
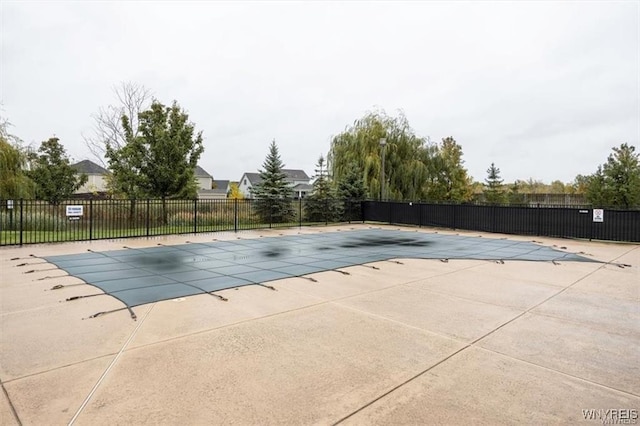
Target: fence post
column 21, row 221
column 455, row 216
column 90, row 219
column 300, row 212
column 270, row 212
column 591, row 226
column 195, row 215
column 326, row 211
column 235, row 215
column 148, row 218
column 389, row 204
column 539, row 218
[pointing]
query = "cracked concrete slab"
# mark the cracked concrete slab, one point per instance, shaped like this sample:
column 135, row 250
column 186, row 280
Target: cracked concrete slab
column 573, row 348
column 53, row 397
column 306, row 366
column 484, row 388
column 456, row 318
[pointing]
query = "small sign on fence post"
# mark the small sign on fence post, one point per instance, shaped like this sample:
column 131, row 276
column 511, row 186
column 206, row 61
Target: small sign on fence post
column 74, row 212
column 598, row 215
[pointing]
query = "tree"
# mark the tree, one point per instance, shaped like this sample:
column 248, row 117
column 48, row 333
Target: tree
column 321, row 205
column 272, row 194
column 621, row 177
column 616, row 183
column 448, row 179
column 514, row 196
column 14, row 182
column 54, row 177
column 358, row 147
column 108, row 131
column 234, row 192
column 351, row 187
column 493, row 186
column 160, row 160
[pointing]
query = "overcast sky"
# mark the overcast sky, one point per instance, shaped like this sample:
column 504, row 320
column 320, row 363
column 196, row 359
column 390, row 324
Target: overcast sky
column 543, row 89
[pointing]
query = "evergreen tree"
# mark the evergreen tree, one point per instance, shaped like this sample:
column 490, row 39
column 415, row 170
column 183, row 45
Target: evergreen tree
column 493, row 192
column 54, row 177
column 322, row 205
column 351, row 186
column 273, row 193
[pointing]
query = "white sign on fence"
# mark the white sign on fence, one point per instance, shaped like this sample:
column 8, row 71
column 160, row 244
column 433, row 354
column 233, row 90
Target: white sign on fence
column 598, row 215
column 9, row 204
column 75, row 210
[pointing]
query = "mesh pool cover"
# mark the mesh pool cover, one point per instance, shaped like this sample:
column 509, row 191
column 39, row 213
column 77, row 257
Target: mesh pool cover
column 139, row 276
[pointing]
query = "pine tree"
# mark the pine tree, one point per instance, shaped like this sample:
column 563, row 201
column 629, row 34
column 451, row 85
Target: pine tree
column 273, row 203
column 493, row 186
column 322, row 205
column 351, row 186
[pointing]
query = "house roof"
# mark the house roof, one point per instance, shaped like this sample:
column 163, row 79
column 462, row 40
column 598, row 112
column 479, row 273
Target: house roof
column 221, row 186
column 200, row 172
column 296, row 174
column 89, row 167
column 303, row 187
column 292, row 174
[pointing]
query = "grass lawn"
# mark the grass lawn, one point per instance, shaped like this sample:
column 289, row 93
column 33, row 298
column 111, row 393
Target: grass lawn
column 81, row 233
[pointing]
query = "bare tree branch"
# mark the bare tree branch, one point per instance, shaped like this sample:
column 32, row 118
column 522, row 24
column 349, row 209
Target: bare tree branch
column 132, row 98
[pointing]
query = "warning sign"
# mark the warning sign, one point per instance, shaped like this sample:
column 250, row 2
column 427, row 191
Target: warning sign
column 598, row 215
column 74, row 210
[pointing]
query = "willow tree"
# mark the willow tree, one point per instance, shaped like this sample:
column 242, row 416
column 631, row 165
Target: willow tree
column 359, row 148
column 14, row 182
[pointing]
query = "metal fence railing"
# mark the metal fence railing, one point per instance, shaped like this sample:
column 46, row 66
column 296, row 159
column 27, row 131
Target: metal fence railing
column 34, row 221
column 551, row 221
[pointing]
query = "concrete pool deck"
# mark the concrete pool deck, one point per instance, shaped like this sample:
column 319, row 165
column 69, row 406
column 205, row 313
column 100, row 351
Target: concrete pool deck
column 416, row 342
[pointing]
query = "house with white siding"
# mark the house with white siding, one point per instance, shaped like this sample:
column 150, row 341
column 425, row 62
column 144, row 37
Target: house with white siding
column 297, row 179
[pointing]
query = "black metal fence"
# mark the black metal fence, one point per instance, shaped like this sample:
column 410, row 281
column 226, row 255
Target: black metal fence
column 566, row 222
column 33, row 221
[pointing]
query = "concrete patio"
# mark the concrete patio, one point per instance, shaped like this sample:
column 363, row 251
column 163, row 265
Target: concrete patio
column 414, row 342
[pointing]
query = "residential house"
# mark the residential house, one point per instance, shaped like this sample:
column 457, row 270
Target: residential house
column 96, row 174
column 298, row 180
column 97, row 179
column 220, row 189
column 204, row 179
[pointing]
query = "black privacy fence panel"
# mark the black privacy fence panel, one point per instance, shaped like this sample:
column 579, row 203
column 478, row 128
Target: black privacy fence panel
column 551, row 221
column 34, row 221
